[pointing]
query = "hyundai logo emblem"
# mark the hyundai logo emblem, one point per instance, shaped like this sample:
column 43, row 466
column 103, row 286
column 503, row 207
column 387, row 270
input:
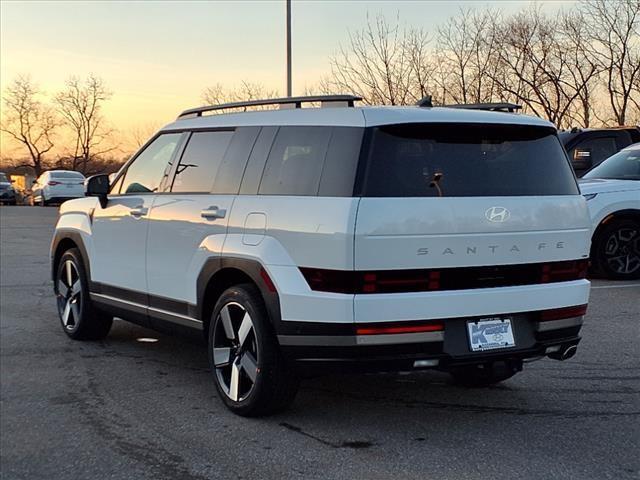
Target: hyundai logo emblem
column 497, row 214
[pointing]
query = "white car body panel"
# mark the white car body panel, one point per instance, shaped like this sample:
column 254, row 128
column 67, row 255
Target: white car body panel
column 66, row 188
column 610, row 196
column 454, row 232
column 180, row 241
column 120, row 242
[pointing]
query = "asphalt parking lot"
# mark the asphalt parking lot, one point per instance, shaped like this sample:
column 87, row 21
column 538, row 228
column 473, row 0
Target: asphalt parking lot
column 131, row 409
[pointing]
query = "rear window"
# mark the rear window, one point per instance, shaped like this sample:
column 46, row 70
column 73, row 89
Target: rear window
column 72, row 175
column 466, row 160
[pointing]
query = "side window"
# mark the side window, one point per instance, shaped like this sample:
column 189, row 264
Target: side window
column 146, row 172
column 235, row 161
column 601, row 148
column 295, row 162
column 200, row 161
column 341, row 164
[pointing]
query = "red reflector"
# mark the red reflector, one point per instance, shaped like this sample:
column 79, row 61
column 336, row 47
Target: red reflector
column 375, row 330
column 267, row 280
column 565, row 312
column 564, row 271
column 52, row 183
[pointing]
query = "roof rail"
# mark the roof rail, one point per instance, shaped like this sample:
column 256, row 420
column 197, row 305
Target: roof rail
column 286, row 102
column 493, row 107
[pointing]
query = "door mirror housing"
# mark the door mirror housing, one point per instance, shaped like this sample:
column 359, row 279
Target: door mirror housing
column 582, row 159
column 98, row 186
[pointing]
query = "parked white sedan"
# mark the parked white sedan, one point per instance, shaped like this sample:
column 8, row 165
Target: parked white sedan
column 612, row 190
column 57, row 186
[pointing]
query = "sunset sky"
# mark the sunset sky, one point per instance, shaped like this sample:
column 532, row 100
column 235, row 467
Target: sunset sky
column 158, row 56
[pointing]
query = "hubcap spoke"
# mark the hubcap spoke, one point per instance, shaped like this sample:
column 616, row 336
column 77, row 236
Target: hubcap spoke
column 249, row 365
column 63, row 290
column 226, row 322
column 75, row 312
column 69, row 275
column 245, row 328
column 66, row 313
column 234, row 383
column 221, row 356
column 75, row 288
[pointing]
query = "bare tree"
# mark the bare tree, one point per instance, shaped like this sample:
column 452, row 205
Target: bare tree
column 466, row 54
column 374, row 64
column 583, row 68
column 534, row 66
column 217, row 94
column 29, row 122
column 80, row 105
column 615, row 36
column 140, row 134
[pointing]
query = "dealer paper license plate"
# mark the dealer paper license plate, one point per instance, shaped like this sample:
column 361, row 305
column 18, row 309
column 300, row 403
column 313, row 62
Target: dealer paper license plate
column 490, row 334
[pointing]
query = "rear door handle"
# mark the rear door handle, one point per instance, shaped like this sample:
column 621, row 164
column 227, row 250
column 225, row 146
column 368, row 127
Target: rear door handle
column 212, row 213
column 138, row 211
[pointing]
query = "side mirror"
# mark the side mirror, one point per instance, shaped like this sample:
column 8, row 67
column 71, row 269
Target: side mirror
column 97, row 186
column 582, row 159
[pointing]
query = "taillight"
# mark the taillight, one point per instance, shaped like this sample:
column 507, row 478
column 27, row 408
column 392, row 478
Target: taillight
column 53, row 183
column 564, row 271
column 372, row 329
column 564, row 312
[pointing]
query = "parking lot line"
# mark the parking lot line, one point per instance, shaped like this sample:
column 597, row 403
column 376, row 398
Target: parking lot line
column 616, row 286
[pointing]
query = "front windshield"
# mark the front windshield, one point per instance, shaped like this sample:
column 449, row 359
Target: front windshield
column 623, row 165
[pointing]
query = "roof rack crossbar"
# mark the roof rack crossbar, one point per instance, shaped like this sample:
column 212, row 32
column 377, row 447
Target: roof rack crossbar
column 493, row 107
column 286, row 102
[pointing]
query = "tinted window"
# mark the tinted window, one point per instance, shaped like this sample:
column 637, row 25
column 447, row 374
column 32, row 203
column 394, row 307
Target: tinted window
column 257, row 160
column 295, row 162
column 601, row 148
column 460, row 160
column 623, row 165
column 235, row 160
column 200, row 161
column 68, row 175
column 341, row 163
column 3, row 178
column 146, row 172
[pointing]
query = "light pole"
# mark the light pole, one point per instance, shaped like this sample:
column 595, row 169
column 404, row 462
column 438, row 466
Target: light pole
column 288, row 48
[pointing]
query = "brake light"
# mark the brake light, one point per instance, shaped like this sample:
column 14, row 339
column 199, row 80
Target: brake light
column 53, row 183
column 565, row 312
column 564, row 271
column 396, row 329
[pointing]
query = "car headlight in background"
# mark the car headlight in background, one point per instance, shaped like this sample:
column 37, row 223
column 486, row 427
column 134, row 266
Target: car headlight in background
column 589, row 196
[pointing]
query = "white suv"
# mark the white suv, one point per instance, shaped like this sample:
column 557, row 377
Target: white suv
column 308, row 239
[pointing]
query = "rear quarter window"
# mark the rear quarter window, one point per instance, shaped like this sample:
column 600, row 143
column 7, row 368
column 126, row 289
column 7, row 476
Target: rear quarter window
column 465, row 160
column 295, row 162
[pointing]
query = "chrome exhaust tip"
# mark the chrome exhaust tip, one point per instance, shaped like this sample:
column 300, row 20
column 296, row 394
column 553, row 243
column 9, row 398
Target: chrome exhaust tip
column 562, row 353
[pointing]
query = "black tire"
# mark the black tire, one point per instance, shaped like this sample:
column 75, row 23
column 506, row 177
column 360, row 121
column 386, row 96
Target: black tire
column 274, row 384
column 79, row 319
column 616, row 250
column 483, row 375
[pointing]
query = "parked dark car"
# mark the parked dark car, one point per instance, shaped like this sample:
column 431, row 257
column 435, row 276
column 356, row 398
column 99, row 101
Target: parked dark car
column 590, row 146
column 7, row 192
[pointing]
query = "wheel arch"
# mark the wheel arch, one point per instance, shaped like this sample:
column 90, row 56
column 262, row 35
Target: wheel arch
column 625, row 214
column 63, row 241
column 218, row 274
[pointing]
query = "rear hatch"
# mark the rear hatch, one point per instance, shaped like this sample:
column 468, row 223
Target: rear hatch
column 467, row 195
column 68, row 182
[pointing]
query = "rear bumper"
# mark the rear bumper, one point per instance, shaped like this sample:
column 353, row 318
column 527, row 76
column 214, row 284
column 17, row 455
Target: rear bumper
column 315, row 352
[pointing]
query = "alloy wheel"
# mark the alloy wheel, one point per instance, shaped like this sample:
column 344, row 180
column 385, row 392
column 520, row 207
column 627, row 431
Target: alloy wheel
column 235, row 351
column 69, row 295
column 622, row 250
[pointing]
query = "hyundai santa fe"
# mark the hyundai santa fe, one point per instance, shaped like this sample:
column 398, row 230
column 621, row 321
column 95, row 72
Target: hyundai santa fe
column 301, row 240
